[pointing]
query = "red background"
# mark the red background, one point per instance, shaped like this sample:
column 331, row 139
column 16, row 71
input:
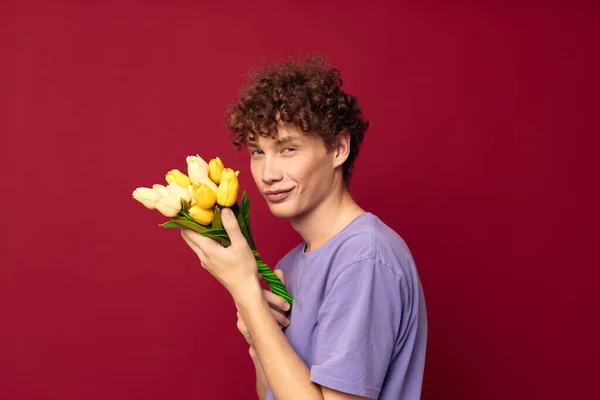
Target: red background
column 480, row 155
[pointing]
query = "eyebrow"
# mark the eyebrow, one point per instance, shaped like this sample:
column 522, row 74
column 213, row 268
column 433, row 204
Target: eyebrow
column 285, row 139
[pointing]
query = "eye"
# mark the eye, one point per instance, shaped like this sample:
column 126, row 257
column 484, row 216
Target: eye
column 256, row 152
column 289, row 150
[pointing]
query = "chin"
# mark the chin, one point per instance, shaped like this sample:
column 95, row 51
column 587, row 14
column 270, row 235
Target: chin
column 280, row 212
column 283, row 210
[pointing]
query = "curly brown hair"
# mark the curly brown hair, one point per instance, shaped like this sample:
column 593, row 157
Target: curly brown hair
column 306, row 93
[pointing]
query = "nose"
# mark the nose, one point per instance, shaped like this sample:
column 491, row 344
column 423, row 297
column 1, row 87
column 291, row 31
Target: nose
column 271, row 171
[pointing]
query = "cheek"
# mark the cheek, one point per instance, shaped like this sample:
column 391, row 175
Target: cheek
column 307, row 175
column 256, row 173
column 319, row 175
column 301, row 171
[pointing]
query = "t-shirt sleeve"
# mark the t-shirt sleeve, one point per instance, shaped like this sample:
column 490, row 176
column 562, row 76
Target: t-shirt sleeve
column 358, row 322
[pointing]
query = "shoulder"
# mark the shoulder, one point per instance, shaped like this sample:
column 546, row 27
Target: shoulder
column 369, row 241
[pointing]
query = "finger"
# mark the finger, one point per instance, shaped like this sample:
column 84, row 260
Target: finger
column 280, row 317
column 240, row 320
column 232, row 227
column 279, row 274
column 186, row 235
column 241, row 325
column 190, row 239
column 198, row 241
column 275, row 301
column 252, row 352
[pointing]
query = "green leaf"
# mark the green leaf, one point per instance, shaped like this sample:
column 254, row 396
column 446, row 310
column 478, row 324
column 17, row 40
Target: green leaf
column 176, row 219
column 217, row 224
column 246, row 215
column 171, row 224
column 219, row 235
column 243, row 229
column 236, row 209
column 242, row 222
column 192, row 225
column 187, row 217
column 216, row 233
column 246, row 231
column 179, row 217
column 185, row 206
column 245, row 203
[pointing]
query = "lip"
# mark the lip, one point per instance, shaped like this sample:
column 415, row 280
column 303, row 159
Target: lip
column 277, row 195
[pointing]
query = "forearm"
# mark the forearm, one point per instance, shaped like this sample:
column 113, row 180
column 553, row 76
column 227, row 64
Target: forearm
column 286, row 373
column 261, row 379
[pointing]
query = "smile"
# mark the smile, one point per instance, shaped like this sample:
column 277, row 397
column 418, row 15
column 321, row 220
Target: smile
column 277, row 195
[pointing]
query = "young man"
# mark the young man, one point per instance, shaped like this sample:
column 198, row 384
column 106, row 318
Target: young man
column 358, row 326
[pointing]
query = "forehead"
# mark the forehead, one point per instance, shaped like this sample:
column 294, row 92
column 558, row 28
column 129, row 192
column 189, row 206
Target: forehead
column 285, row 133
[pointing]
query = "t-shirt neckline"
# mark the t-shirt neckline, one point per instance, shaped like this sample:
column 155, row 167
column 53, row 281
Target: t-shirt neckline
column 334, row 239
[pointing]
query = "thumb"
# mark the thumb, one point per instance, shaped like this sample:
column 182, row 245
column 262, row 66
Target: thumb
column 232, row 227
column 279, row 274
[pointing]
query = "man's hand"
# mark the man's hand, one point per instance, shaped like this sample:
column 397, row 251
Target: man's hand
column 234, row 266
column 279, row 307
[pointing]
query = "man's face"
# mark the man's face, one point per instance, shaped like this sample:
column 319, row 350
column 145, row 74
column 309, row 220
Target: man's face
column 293, row 171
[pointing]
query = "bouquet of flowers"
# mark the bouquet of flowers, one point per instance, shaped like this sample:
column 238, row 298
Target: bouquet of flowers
column 194, row 201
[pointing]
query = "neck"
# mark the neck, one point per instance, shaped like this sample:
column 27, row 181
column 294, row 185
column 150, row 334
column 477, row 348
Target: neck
column 331, row 216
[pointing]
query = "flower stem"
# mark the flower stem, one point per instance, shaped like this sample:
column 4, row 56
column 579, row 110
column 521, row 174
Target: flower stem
column 272, row 280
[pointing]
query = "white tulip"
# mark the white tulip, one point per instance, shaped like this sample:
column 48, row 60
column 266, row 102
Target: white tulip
column 161, row 190
column 191, row 191
column 146, row 196
column 178, row 192
column 197, row 168
column 167, row 204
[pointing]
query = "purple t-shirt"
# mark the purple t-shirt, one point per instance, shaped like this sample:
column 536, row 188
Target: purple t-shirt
column 358, row 320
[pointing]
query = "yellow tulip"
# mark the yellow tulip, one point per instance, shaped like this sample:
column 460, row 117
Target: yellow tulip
column 215, row 168
column 197, row 168
column 178, row 177
column 204, row 195
column 209, row 183
column 228, row 188
column 202, row 216
column 146, row 196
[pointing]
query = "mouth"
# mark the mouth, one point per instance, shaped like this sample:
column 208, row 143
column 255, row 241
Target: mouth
column 277, row 195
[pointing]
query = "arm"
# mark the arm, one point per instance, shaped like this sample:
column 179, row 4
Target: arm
column 278, row 305
column 284, row 370
column 235, row 267
column 261, row 379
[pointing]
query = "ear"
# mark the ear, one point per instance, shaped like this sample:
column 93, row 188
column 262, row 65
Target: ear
column 341, row 149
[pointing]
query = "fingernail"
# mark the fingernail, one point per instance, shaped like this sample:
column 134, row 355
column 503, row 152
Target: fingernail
column 286, row 306
column 226, row 212
column 287, row 322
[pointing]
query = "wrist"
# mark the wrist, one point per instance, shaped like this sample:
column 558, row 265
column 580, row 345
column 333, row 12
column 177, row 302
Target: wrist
column 247, row 293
